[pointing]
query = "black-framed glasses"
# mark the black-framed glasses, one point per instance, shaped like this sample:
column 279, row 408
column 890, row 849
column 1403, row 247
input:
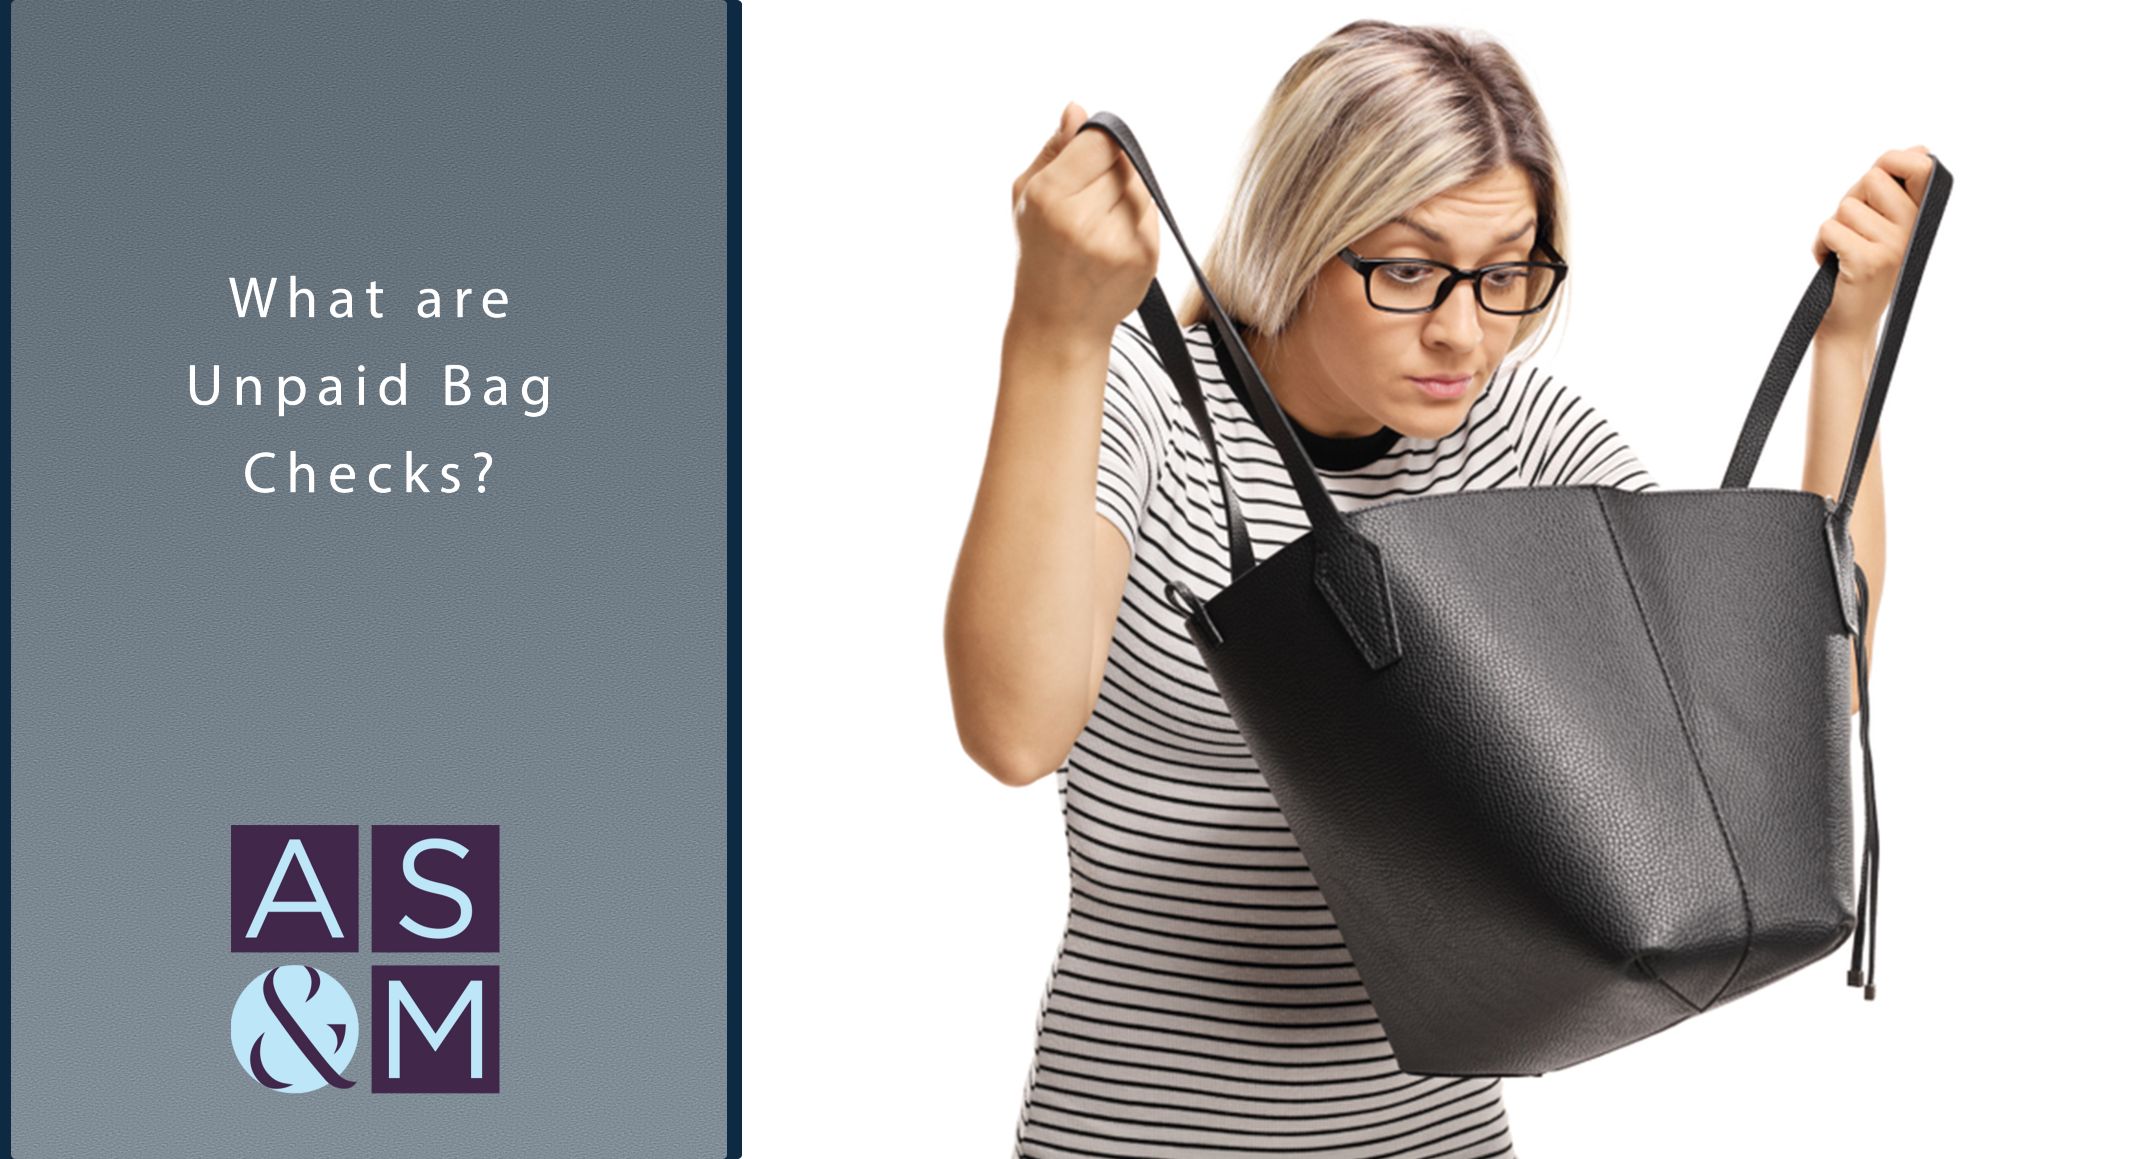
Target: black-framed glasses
column 1414, row 285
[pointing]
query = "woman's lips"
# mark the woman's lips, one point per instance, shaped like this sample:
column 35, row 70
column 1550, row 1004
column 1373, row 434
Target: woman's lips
column 1444, row 387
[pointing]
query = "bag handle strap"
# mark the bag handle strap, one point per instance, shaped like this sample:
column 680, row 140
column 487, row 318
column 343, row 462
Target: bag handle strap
column 1171, row 349
column 1806, row 321
column 1163, row 329
column 1347, row 567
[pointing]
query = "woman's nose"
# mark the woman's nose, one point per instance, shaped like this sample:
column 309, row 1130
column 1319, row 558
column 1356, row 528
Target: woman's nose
column 1456, row 322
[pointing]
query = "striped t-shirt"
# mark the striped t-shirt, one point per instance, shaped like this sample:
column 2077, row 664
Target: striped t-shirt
column 1202, row 1001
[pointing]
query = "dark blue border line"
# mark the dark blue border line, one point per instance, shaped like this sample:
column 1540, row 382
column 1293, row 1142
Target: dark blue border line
column 7, row 521
column 733, row 329
column 732, row 333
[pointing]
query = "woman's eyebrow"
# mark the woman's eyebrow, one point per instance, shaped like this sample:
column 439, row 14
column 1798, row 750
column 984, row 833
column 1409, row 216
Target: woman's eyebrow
column 1434, row 235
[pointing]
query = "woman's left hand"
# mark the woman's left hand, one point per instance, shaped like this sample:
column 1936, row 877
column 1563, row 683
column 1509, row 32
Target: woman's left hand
column 1869, row 234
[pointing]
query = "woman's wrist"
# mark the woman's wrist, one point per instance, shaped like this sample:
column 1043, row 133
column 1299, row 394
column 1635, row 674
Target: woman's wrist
column 1041, row 339
column 1860, row 338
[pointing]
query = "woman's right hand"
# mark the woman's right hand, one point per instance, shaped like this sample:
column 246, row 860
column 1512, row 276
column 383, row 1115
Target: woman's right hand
column 1088, row 232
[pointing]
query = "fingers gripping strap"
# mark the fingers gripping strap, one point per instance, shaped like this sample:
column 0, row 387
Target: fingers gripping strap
column 1806, row 322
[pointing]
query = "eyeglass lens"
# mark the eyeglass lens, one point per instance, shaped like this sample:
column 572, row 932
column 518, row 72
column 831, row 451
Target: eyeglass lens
column 1511, row 289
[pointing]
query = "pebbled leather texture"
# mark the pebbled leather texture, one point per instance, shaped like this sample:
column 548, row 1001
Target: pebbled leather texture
column 1601, row 791
column 1354, row 582
column 1570, row 764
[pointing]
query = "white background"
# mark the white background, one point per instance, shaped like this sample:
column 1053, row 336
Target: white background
column 902, row 907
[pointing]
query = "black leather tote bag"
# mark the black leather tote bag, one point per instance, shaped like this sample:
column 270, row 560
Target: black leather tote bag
column 1570, row 764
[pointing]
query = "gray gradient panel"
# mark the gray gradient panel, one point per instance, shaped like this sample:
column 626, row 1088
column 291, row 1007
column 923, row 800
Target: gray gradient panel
column 547, row 656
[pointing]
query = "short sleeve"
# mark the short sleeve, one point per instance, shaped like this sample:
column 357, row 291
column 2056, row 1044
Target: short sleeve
column 1128, row 456
column 1567, row 442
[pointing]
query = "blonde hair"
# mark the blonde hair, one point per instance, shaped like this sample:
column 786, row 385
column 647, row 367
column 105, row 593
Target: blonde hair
column 1372, row 122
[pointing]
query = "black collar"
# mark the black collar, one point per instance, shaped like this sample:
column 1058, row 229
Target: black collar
column 1328, row 453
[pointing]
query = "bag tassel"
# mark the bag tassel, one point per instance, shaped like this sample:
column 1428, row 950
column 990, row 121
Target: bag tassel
column 1869, row 868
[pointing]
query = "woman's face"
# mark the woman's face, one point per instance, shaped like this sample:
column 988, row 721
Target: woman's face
column 1343, row 368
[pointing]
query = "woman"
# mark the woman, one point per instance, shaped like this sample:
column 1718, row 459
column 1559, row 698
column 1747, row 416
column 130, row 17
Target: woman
column 1202, row 1000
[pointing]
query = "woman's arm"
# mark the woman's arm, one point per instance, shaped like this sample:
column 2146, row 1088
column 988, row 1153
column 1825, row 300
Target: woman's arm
column 1037, row 586
column 1840, row 366
column 1029, row 613
column 1869, row 233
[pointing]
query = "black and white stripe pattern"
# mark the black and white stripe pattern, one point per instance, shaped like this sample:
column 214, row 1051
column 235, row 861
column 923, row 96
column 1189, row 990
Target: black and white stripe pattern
column 1202, row 1001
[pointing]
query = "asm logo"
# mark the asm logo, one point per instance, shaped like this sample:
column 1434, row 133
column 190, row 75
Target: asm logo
column 434, row 888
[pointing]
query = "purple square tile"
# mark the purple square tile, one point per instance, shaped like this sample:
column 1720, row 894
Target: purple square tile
column 294, row 888
column 436, row 1029
column 436, row 888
